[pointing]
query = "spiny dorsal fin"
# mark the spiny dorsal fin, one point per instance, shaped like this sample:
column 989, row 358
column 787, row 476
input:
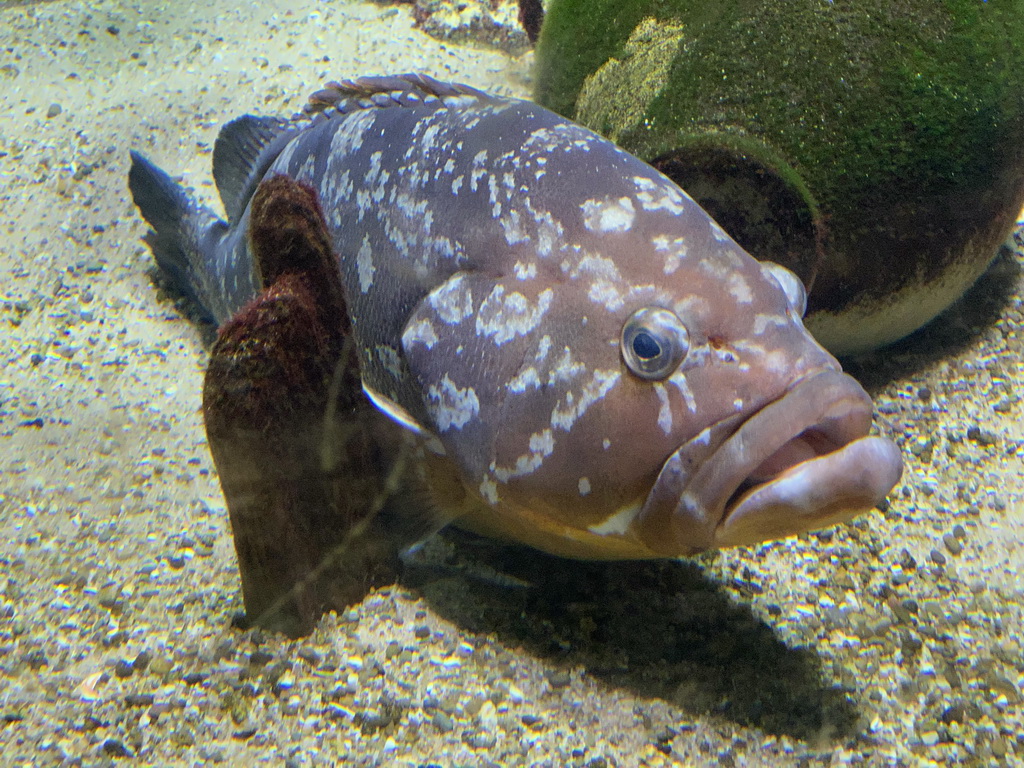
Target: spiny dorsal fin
column 385, row 91
column 236, row 158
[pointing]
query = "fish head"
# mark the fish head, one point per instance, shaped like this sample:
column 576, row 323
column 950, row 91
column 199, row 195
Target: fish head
column 653, row 392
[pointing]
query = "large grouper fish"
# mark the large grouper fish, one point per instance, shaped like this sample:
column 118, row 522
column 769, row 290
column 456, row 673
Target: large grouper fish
column 591, row 365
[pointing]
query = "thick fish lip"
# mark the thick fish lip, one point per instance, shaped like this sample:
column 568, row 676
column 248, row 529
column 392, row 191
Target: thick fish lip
column 801, row 462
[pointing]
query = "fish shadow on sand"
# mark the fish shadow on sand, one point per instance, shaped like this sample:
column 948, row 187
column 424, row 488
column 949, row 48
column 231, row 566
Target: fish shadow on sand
column 658, row 629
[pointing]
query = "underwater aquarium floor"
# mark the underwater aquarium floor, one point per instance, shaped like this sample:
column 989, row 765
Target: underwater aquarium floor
column 896, row 640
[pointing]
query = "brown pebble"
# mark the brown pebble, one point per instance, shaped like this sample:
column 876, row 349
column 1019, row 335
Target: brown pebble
column 559, row 679
column 937, row 557
column 952, row 544
column 115, row 748
column 957, row 713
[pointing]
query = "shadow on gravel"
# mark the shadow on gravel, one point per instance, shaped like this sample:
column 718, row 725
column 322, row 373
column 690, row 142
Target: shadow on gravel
column 659, row 629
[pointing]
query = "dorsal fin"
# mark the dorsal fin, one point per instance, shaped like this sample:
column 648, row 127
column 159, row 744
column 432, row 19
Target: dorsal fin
column 237, row 161
column 385, row 91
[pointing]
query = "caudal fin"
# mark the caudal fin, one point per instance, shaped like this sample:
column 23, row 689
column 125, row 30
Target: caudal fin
column 179, row 227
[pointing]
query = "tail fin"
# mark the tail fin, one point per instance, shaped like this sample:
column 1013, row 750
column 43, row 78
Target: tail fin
column 179, row 227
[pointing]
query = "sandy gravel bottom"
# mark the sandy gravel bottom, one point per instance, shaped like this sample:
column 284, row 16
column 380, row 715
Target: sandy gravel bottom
column 892, row 641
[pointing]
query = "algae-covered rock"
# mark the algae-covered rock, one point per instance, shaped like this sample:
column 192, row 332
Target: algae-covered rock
column 875, row 147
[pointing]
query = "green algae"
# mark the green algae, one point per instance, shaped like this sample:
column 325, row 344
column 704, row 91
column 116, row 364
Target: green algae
column 638, row 78
column 899, row 123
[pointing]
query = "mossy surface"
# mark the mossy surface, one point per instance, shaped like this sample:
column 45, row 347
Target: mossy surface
column 902, row 119
column 930, row 84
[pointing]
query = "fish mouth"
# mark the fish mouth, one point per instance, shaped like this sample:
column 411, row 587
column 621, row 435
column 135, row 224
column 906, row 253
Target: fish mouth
column 801, row 462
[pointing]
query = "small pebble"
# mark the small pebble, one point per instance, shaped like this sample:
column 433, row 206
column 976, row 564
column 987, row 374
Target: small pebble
column 952, row 544
column 957, row 713
column 142, row 661
column 558, row 679
column 53, row 110
column 480, row 740
column 115, row 748
column 442, row 722
column 259, row 658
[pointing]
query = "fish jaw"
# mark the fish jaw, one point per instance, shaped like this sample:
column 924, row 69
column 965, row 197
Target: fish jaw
column 802, row 462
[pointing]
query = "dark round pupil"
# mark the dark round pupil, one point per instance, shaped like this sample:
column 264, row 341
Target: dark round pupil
column 645, row 347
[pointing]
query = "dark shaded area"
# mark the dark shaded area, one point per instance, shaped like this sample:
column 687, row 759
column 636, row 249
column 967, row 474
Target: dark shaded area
column 531, row 16
column 659, row 629
column 761, row 209
column 948, row 334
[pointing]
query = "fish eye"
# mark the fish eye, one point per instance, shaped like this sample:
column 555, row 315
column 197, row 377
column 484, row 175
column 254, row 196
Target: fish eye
column 654, row 342
column 791, row 285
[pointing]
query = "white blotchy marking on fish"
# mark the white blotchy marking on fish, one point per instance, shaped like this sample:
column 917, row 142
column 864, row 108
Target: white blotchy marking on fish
column 665, row 411
column 478, row 170
column 307, row 170
column 679, row 380
column 693, row 506
column 565, row 369
column 525, row 271
column 512, row 228
column 719, row 234
column 739, row 289
column 457, row 183
column 453, row 301
column 763, row 322
column 584, row 486
column 549, row 232
column 618, row 522
column 505, row 316
column 389, row 358
column 606, row 443
column 606, row 294
column 608, row 215
column 492, row 187
column 542, row 444
column 600, row 384
column 420, row 332
column 284, row 160
column 596, row 266
column 349, row 133
column 451, row 405
column 692, row 307
column 737, row 403
column 489, row 491
column 776, row 361
column 703, row 438
column 364, row 265
column 528, row 377
column 375, row 173
column 674, row 249
column 659, row 196
column 543, row 347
